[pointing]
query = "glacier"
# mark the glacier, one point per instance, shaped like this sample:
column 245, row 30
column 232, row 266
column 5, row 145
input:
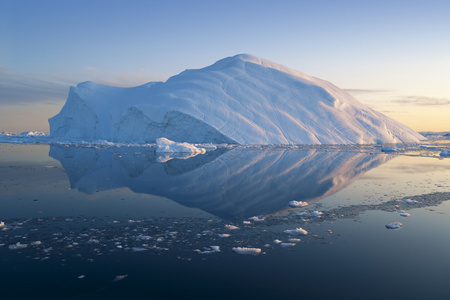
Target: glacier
column 242, row 99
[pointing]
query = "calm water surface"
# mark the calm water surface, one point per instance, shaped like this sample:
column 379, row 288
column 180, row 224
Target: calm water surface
column 122, row 223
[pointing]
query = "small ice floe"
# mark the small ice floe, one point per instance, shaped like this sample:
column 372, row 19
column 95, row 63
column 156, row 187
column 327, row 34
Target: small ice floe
column 81, row 277
column 405, row 214
column 247, row 222
column 143, row 237
column 256, row 219
column 300, row 231
column 231, row 227
column 17, row 246
column 445, row 154
column 138, row 249
column 2, row 224
column 277, row 241
column 410, row 201
column 210, row 250
column 298, row 204
column 294, row 240
column 120, row 277
column 394, row 225
column 245, row 250
column 224, row 235
column 36, row 243
column 285, row 245
column 316, row 214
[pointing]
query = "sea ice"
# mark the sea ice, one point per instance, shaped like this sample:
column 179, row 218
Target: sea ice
column 277, row 241
column 244, row 250
column 285, row 245
column 316, row 214
column 256, row 219
column 18, row 246
column 120, row 277
column 298, row 204
column 410, row 201
column 231, row 227
column 405, row 214
column 300, row 231
column 394, row 225
column 224, row 235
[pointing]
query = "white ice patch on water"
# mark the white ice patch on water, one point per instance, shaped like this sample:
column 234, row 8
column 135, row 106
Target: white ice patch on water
column 256, row 219
column 294, row 240
column 316, row 214
column 120, row 277
column 18, row 246
column 285, row 245
column 300, row 231
column 298, row 204
column 2, row 224
column 224, row 235
column 247, row 222
column 410, row 201
column 172, row 150
column 394, row 225
column 231, row 227
column 277, row 241
column 405, row 214
column 248, row 251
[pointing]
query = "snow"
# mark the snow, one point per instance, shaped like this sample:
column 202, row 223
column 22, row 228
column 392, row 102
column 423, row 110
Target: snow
column 300, row 231
column 298, row 204
column 244, row 250
column 241, row 99
column 394, row 225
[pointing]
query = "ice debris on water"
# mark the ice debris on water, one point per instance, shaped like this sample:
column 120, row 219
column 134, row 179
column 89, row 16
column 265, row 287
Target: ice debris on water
column 410, row 201
column 294, row 240
column 405, row 214
column 224, row 235
column 256, row 219
column 120, row 277
column 245, row 250
column 2, row 224
column 298, row 204
column 277, row 241
column 315, row 214
column 231, row 227
column 394, row 225
column 17, row 246
column 300, row 231
column 81, row 277
column 285, row 245
column 246, row 222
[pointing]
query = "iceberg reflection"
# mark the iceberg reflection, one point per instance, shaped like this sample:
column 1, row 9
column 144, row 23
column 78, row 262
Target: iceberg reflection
column 227, row 183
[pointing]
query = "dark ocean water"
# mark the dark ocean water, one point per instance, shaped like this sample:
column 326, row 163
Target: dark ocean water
column 116, row 223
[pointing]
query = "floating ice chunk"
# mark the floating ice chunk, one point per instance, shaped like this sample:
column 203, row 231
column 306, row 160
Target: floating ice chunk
column 36, row 243
column 277, row 241
column 120, row 277
column 445, row 154
column 256, row 219
column 315, row 214
column 405, row 214
column 410, row 201
column 231, row 227
column 2, row 224
column 244, row 250
column 285, row 245
column 247, row 222
column 224, row 235
column 168, row 146
column 215, row 248
column 81, row 277
column 18, row 246
column 207, row 147
column 294, row 240
column 212, row 249
column 298, row 204
column 394, row 225
column 300, row 231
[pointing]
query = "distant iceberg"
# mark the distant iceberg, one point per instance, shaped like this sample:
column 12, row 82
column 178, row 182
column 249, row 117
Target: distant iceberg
column 241, row 99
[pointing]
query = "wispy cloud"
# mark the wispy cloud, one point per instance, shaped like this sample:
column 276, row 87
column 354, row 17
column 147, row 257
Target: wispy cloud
column 22, row 89
column 422, row 101
column 366, row 91
column 27, row 88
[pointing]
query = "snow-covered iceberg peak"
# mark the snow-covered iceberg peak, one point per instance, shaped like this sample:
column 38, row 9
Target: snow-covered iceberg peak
column 241, row 99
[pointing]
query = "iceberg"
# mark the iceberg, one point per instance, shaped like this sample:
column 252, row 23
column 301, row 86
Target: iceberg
column 242, row 99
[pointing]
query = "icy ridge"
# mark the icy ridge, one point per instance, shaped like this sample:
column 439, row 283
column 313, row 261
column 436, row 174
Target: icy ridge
column 242, row 99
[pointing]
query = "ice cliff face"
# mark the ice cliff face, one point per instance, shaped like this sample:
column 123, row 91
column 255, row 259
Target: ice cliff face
column 242, row 99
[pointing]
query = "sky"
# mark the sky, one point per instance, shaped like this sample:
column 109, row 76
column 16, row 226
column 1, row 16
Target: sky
column 393, row 56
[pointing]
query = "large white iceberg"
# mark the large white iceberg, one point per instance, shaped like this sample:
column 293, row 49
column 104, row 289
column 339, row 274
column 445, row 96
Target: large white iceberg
column 241, row 99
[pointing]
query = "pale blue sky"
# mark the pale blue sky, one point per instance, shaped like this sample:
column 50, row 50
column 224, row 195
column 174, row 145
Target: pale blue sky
column 392, row 55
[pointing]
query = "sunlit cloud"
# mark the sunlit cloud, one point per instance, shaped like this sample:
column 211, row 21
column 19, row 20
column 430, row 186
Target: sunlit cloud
column 423, row 101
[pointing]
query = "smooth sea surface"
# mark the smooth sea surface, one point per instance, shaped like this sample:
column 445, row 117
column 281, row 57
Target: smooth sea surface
column 124, row 223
